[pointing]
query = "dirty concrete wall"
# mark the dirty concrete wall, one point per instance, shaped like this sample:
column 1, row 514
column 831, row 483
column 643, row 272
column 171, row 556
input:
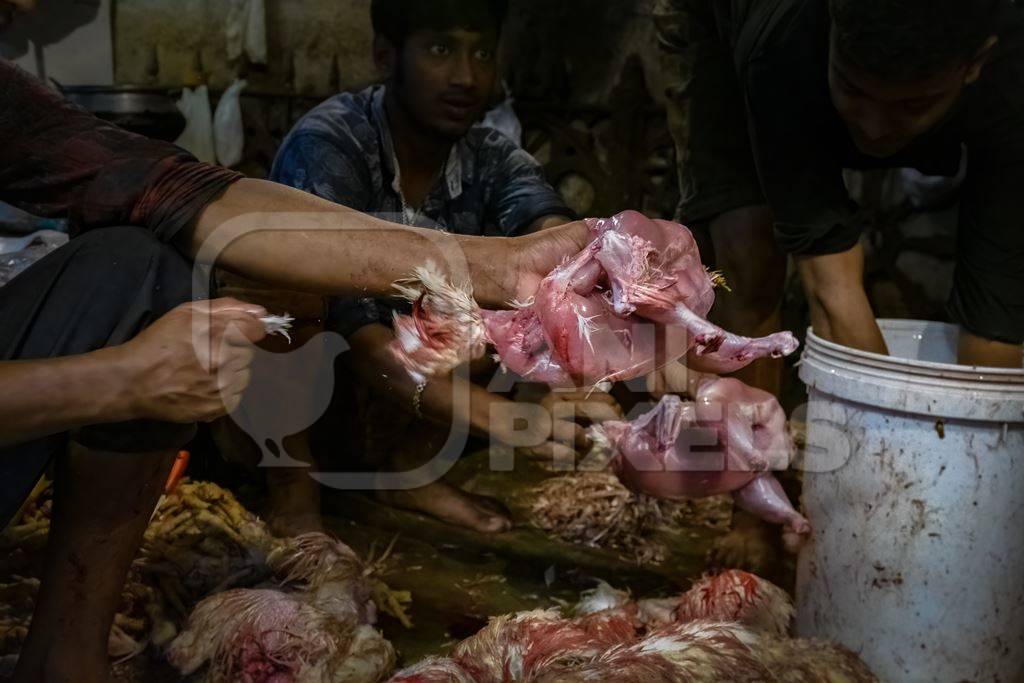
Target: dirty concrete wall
column 315, row 47
column 575, row 51
column 570, row 51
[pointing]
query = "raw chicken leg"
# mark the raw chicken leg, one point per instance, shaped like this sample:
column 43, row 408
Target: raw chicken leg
column 634, row 299
column 750, row 426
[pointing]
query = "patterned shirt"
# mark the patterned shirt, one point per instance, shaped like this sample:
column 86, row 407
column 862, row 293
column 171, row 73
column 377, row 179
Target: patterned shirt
column 343, row 151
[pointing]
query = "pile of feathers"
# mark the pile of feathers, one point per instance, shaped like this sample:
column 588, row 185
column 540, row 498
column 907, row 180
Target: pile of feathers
column 595, row 509
column 730, row 627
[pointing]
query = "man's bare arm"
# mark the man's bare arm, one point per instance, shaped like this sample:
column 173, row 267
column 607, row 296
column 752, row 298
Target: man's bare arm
column 372, row 360
column 42, row 397
column 840, row 311
column 290, row 239
column 975, row 350
column 545, row 222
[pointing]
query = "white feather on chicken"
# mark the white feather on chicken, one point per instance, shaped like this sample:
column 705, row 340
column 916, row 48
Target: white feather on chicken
column 446, row 329
column 614, row 639
column 245, row 629
column 435, row 670
column 315, row 631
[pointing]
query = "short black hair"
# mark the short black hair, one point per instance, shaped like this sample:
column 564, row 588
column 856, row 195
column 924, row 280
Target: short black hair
column 397, row 19
column 911, row 38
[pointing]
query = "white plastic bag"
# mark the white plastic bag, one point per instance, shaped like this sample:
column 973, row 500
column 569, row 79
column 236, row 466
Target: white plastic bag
column 256, row 32
column 18, row 253
column 246, row 31
column 228, row 132
column 503, row 119
column 197, row 137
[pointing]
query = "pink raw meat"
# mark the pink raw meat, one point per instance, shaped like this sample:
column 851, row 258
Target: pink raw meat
column 750, row 425
column 634, row 299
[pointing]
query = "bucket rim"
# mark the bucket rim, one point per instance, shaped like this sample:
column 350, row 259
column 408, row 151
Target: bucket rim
column 972, row 373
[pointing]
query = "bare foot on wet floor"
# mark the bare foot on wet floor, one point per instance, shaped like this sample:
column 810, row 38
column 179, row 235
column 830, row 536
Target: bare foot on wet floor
column 453, row 506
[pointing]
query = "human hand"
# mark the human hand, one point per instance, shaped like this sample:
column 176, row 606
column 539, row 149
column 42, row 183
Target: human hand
column 535, row 256
column 192, row 365
column 538, row 436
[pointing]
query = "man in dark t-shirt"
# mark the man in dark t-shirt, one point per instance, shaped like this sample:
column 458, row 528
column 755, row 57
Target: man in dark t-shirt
column 780, row 96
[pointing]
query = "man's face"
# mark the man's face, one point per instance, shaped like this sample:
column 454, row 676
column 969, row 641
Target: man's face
column 9, row 8
column 445, row 80
column 885, row 116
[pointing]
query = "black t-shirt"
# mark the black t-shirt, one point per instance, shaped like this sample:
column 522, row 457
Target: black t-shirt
column 801, row 146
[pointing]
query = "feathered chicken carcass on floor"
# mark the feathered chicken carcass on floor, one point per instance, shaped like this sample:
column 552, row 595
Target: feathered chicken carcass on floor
column 726, row 628
column 596, row 318
column 750, row 427
column 200, row 544
column 319, row 630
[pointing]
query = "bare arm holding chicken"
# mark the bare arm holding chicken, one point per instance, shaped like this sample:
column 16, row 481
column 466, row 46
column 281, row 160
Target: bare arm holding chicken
column 596, row 318
column 287, row 238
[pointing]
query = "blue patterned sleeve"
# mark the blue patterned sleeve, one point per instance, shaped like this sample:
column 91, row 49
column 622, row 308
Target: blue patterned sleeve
column 325, row 167
column 521, row 194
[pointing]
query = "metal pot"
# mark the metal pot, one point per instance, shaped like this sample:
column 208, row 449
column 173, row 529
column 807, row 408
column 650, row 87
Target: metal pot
column 147, row 111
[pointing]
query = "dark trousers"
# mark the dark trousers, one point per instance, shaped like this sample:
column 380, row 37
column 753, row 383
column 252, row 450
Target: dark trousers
column 100, row 290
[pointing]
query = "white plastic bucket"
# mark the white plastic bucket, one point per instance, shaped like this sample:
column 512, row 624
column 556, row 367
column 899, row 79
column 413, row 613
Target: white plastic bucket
column 915, row 488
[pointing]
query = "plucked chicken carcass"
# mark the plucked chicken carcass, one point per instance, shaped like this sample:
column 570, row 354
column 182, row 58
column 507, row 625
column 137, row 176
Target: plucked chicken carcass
column 596, row 318
column 651, row 458
column 319, row 631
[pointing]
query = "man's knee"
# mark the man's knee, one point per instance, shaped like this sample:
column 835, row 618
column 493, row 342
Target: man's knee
column 132, row 260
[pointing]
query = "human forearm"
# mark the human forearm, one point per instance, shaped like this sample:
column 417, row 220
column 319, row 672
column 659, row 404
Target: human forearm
column 975, row 350
column 376, row 366
column 43, row 397
column 546, row 222
column 290, row 239
column 847, row 319
column 840, row 310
